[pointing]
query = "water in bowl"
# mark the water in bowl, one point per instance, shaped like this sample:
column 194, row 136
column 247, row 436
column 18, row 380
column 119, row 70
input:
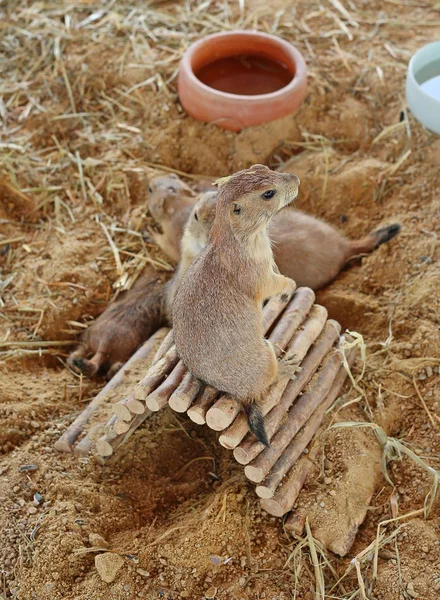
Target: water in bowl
column 245, row 74
column 429, row 79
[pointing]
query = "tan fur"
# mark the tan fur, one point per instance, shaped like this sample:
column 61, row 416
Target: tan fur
column 170, row 202
column 217, row 310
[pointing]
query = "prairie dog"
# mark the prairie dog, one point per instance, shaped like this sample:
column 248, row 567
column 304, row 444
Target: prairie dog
column 306, row 249
column 194, row 239
column 169, row 202
column 118, row 332
column 217, row 309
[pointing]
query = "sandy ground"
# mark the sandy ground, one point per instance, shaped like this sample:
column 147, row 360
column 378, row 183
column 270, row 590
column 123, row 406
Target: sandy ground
column 83, row 128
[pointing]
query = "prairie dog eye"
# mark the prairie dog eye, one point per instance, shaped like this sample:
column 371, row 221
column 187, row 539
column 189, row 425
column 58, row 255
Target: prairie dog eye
column 269, row 194
column 150, row 189
column 237, row 209
column 196, row 216
column 172, row 189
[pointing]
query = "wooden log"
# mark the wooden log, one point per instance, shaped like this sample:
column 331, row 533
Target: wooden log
column 121, row 410
column 250, row 447
column 155, row 374
column 296, row 521
column 182, row 398
column 135, row 406
column 226, row 409
column 106, row 446
column 166, row 345
column 85, row 445
column 108, row 427
column 260, row 465
column 279, row 506
column 273, row 309
column 300, row 442
column 222, row 413
column 233, row 435
column 66, row 441
column 293, row 316
column 309, row 332
column 159, row 397
column 287, row 493
column 121, row 427
column 197, row 411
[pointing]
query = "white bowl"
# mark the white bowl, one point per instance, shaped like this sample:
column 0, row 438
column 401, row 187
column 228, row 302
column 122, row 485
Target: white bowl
column 423, row 66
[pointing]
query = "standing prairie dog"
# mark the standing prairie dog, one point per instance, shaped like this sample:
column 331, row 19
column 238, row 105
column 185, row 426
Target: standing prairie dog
column 217, row 309
column 170, row 202
column 306, row 249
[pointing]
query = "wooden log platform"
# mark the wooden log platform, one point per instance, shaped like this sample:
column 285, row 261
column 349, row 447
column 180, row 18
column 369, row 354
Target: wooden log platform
column 294, row 409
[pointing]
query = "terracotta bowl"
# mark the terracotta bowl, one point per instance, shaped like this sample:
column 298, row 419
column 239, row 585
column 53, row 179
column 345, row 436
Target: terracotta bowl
column 234, row 111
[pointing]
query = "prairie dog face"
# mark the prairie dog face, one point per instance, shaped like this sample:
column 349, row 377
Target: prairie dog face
column 167, row 196
column 199, row 224
column 253, row 196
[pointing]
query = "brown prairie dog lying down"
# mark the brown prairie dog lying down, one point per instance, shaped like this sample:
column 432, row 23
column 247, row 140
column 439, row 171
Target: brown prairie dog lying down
column 118, row 332
column 306, row 249
column 169, row 202
column 217, row 309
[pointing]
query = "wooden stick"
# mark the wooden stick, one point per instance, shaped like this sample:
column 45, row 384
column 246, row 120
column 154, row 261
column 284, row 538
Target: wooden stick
column 121, row 410
column 69, row 437
column 166, row 344
column 279, row 506
column 260, row 466
column 135, row 406
column 108, row 427
column 287, row 493
column 105, row 446
column 273, row 309
column 159, row 398
column 121, row 427
column 231, row 437
column 250, row 447
column 296, row 521
column 222, row 413
column 84, row 446
column 155, row 374
column 197, row 411
column 309, row 332
column 226, row 409
column 292, row 317
column 182, row 398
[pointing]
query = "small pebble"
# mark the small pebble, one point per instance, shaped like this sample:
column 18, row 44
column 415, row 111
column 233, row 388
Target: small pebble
column 184, row 594
column 332, row 493
column 410, row 590
column 24, row 468
column 38, row 499
column 32, row 510
column 322, row 504
column 209, row 594
column 108, row 566
column 327, row 480
column 143, row 573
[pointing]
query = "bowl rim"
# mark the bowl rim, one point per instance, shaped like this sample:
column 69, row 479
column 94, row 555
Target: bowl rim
column 410, row 71
column 298, row 59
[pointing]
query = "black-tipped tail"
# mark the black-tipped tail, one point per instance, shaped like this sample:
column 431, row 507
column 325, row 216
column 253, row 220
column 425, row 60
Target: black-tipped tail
column 256, row 423
column 384, row 235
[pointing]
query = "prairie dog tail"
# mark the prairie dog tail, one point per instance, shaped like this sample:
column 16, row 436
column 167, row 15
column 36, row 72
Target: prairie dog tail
column 256, row 423
column 372, row 241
